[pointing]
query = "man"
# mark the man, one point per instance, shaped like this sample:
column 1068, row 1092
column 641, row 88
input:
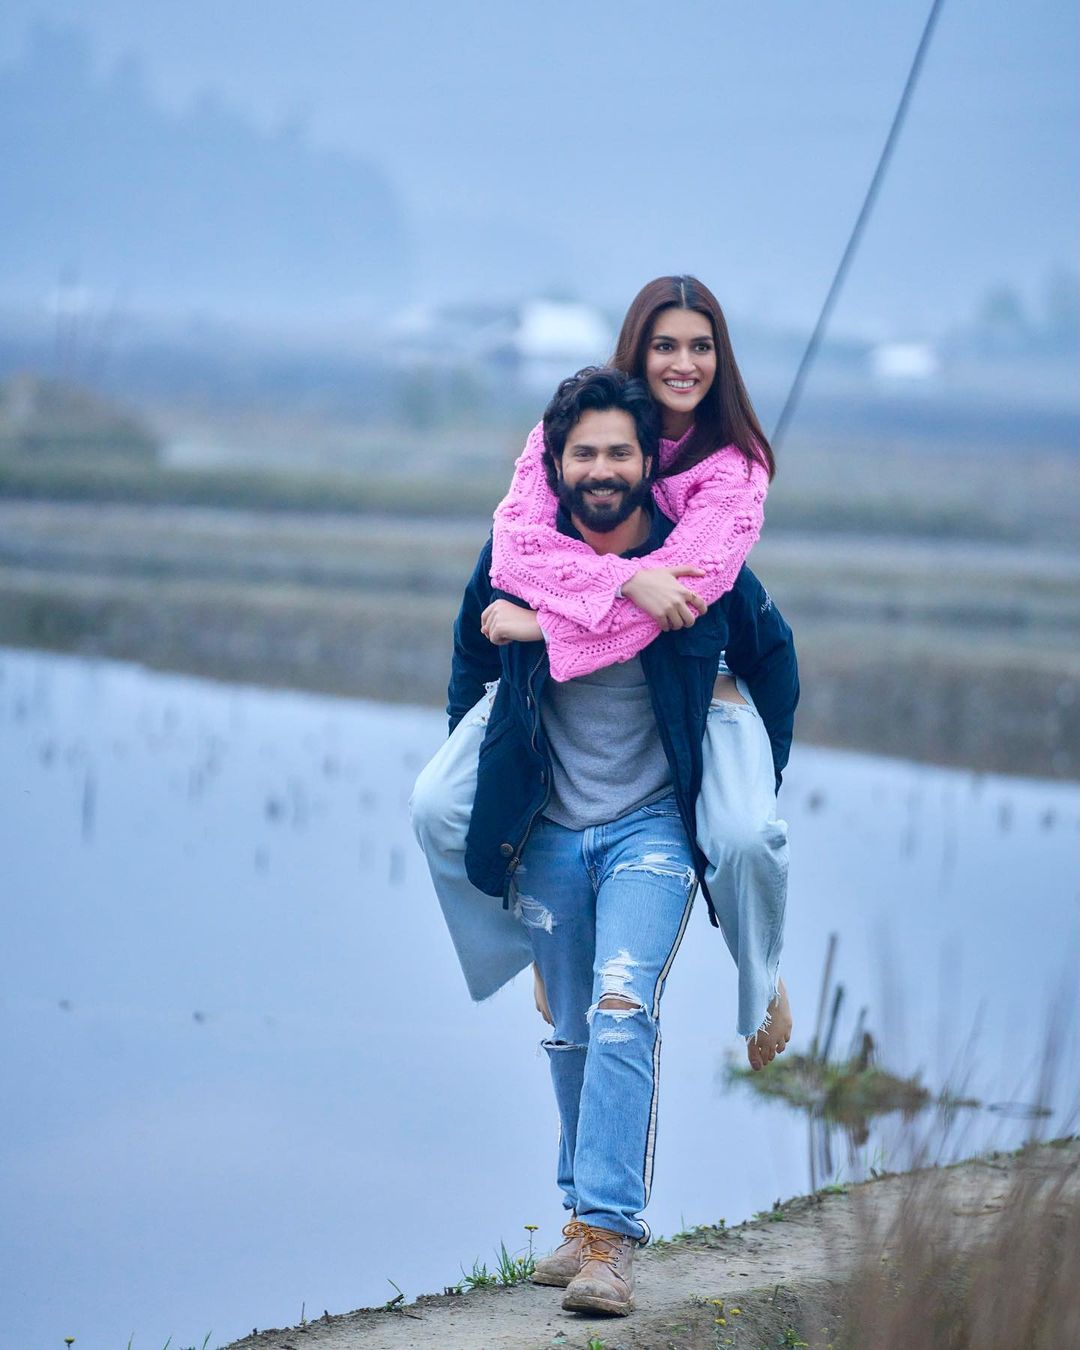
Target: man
column 584, row 817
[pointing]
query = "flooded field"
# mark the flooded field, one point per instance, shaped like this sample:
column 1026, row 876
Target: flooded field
column 244, row 1077
column 950, row 650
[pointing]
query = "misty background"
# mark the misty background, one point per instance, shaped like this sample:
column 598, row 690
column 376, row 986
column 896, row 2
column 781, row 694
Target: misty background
column 317, row 274
column 283, row 289
column 240, row 176
column 245, row 160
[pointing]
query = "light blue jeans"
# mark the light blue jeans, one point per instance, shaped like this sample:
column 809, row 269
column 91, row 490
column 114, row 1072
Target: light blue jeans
column 490, row 943
column 605, row 910
column 737, row 830
column 746, row 845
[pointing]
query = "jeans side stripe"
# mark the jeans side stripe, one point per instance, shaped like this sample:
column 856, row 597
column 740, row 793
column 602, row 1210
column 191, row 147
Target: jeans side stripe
column 650, row 1138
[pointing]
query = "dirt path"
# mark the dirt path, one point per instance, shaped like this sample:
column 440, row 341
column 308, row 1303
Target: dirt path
column 770, row 1269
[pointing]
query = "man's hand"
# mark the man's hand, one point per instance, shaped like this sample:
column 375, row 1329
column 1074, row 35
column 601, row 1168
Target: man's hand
column 504, row 622
column 659, row 593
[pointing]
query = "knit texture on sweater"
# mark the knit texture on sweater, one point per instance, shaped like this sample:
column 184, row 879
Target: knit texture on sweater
column 718, row 507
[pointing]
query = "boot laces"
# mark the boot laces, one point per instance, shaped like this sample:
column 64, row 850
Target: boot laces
column 574, row 1229
column 599, row 1244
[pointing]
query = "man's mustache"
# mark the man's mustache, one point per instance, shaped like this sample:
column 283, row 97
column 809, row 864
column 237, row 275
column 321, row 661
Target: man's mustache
column 614, row 483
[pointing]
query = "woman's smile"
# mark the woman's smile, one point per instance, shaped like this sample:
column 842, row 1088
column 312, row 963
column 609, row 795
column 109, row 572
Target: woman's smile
column 680, row 365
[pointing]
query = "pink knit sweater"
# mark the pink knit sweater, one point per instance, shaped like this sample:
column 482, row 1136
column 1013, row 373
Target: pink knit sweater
column 718, row 507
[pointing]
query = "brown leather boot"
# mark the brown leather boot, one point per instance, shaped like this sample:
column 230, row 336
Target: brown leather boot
column 605, row 1282
column 565, row 1261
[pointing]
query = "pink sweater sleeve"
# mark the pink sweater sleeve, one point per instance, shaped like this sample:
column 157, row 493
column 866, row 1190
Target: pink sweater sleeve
column 718, row 509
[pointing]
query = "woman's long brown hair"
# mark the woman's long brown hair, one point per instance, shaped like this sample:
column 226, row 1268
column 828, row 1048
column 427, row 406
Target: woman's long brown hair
column 725, row 416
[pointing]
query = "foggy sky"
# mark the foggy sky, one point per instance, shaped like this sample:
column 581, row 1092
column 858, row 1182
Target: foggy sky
column 586, row 145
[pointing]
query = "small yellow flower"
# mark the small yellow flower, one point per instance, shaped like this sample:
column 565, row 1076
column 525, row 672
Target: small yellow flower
column 721, row 1321
column 531, row 1227
column 736, row 1312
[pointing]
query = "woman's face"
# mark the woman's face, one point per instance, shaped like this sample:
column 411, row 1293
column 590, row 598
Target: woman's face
column 680, row 365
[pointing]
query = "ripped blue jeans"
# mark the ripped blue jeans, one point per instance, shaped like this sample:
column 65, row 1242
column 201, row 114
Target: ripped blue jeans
column 605, row 910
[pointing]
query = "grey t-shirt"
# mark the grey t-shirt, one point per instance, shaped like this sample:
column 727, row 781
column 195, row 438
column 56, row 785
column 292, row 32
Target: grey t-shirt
column 607, row 758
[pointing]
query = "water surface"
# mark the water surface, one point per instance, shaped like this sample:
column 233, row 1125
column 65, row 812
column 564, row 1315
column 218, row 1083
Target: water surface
column 242, row 1073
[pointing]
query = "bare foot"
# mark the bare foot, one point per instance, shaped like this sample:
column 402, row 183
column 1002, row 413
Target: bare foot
column 771, row 1040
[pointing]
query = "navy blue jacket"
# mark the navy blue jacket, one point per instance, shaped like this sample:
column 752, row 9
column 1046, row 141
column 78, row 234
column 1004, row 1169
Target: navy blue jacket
column 513, row 781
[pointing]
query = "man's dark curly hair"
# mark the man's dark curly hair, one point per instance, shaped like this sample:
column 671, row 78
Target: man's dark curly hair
column 597, row 389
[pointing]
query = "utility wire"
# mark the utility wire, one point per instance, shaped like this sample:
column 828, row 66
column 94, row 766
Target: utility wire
column 790, row 404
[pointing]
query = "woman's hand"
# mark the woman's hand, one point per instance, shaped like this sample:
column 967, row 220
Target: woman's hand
column 658, row 592
column 504, row 622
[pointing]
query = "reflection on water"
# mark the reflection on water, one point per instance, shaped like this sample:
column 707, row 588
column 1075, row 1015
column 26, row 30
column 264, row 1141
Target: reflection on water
column 248, row 1077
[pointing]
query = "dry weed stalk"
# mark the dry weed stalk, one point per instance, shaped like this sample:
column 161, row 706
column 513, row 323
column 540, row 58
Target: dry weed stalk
column 997, row 1268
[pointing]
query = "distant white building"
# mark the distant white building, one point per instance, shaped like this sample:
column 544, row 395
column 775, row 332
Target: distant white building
column 904, row 362
column 539, row 341
column 555, row 338
column 549, row 328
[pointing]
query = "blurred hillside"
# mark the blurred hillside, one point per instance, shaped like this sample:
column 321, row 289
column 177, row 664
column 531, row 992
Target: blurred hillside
column 101, row 184
column 226, row 161
column 45, row 419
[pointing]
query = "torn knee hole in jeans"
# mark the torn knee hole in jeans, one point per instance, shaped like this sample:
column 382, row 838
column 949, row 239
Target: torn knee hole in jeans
column 562, row 1045
column 609, row 1003
column 618, row 1009
column 660, row 865
column 720, row 710
column 618, row 1012
column 726, row 690
column 616, row 975
column 617, row 999
column 533, row 914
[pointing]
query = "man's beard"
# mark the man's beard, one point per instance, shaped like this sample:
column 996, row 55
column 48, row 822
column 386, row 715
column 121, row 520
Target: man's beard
column 605, row 517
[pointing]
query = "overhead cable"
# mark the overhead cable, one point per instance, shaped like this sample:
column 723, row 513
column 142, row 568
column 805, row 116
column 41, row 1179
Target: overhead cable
column 792, row 400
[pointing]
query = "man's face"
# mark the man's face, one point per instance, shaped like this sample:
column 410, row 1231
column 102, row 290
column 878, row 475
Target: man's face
column 603, row 474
